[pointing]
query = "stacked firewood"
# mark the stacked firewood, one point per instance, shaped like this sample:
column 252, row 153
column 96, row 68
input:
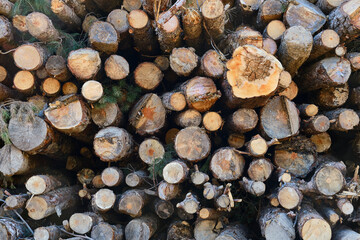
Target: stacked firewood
column 206, row 120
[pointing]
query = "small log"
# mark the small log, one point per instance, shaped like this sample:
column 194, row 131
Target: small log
column 40, row 184
column 163, row 209
column 307, row 110
column 84, row 63
column 227, row 164
column 305, row 14
column 142, row 32
column 112, row 176
column 174, row 101
column 66, row 14
column 162, row 62
column 295, row 48
column 148, row 115
column 290, row 92
column 328, row 179
column 88, row 21
column 175, row 172
column 269, row 45
column 297, row 156
column 242, row 36
column 321, row 74
column 257, row 146
column 116, row 67
column 328, row 5
column 199, row 178
column 260, row 169
column 288, row 126
column 242, row 120
column 51, row 87
column 330, row 215
column 344, row 20
column 192, row 24
column 200, row 93
column 44, row 32
column 41, row 73
column 289, row 196
column 169, row 33
column 56, row 67
column 103, row 200
column 148, row 76
column 268, row 11
column 210, row 214
column 285, row 80
column 354, row 58
column 170, row 135
column 315, row 125
column 214, row 18
column 131, row 5
column 103, row 37
column 11, row 229
column 48, row 233
column 211, row 64
column 311, row 225
column 249, row 7
column 192, row 144
column 331, row 97
column 78, row 7
column 274, row 30
column 344, row 233
column 255, row 85
column 141, row 228
column 92, row 91
column 179, row 230
column 132, row 202
column 78, row 127
column 203, row 230
column 19, row 22
column 224, row 202
column 276, row 224
column 255, row 188
column 342, row 119
column 188, row 118
column 212, row 191
column 6, row 7
column 183, row 61
column 324, row 42
column 85, row 176
column 150, row 150
column 236, row 140
column 4, row 76
column 340, row 51
column 24, row 82
column 105, row 231
column 14, row 161
column 52, row 202
column 6, row 36
column 184, row 215
column 82, row 223
column 30, row 56
column 109, row 149
column 283, row 175
column 136, row 179
column 167, row 191
column 190, row 204
column 107, row 115
column 119, row 19
column 345, row 206
column 97, row 182
column 212, row 121
column 69, row 88
column 14, row 202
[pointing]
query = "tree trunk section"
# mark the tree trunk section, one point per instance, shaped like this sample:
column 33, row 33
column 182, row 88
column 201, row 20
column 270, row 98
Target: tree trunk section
column 227, row 164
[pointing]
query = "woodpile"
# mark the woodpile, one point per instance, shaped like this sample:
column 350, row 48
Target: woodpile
column 169, row 120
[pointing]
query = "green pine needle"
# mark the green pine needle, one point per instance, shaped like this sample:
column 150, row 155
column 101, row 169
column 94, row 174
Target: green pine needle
column 157, row 167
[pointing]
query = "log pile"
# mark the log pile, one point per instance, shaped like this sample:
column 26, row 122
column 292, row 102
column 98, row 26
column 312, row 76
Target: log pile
column 205, row 120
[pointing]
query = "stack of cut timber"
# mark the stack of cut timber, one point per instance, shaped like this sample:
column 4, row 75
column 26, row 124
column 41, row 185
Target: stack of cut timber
column 179, row 119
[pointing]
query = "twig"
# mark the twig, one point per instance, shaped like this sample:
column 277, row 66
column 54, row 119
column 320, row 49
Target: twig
column 26, row 224
column 170, row 12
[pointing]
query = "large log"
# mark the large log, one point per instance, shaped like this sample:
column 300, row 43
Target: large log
column 276, row 224
column 84, row 63
column 252, row 77
column 227, row 164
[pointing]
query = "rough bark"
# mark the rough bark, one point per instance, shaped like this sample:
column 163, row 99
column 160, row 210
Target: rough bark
column 119, row 19
column 307, row 110
column 12, row 230
column 15, row 162
column 276, row 224
column 331, row 97
column 255, row 188
column 163, row 209
column 214, row 18
column 180, row 230
column 192, row 24
column 315, row 125
column 141, row 228
column 169, row 34
column 324, row 42
column 41, row 27
column 66, row 14
column 105, row 231
column 41, row 184
column 212, row 191
column 342, row 119
column 103, row 37
column 174, row 101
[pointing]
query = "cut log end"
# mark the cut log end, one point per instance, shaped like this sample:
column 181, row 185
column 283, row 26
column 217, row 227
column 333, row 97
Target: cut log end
column 212, row 121
column 92, row 90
